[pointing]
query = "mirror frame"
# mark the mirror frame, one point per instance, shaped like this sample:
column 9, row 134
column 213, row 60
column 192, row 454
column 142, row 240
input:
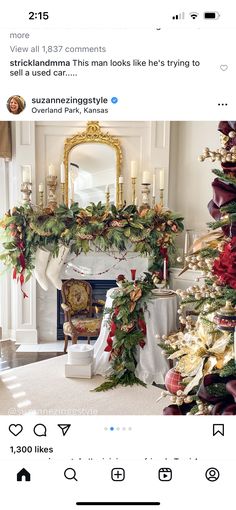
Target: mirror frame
column 92, row 134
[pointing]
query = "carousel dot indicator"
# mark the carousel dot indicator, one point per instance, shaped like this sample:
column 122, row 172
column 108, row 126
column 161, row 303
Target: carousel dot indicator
column 112, row 428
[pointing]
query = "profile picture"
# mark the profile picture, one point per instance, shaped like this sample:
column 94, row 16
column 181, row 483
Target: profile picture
column 15, row 104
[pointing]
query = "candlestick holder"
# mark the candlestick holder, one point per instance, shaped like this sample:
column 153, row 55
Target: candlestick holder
column 120, row 195
column 153, row 201
column 145, row 195
column 162, row 197
column 108, row 200
column 26, row 190
column 133, row 190
column 62, row 192
column 52, row 186
column 41, row 199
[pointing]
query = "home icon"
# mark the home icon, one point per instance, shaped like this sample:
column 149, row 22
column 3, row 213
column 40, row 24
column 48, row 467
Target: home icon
column 23, row 475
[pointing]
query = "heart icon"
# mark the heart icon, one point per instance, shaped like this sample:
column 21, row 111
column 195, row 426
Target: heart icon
column 15, row 429
column 223, row 67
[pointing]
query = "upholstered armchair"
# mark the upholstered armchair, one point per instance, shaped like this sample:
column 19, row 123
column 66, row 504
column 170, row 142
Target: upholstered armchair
column 78, row 311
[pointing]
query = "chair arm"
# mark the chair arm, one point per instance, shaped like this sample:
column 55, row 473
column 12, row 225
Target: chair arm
column 65, row 307
column 67, row 312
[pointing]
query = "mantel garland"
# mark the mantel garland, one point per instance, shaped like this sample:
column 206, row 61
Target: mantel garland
column 150, row 232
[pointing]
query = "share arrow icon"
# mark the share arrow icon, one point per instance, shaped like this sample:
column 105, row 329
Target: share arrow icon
column 64, row 428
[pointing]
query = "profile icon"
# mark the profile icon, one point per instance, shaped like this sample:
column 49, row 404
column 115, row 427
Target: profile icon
column 15, row 104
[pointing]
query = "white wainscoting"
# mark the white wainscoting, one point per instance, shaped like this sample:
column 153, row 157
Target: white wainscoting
column 187, row 279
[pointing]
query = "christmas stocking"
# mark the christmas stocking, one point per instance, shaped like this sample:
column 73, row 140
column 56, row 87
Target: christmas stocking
column 55, row 265
column 41, row 262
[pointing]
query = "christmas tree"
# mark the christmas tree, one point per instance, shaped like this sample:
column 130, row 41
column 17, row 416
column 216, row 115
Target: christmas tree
column 203, row 380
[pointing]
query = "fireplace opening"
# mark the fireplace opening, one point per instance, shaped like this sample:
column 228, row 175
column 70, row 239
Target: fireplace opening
column 100, row 288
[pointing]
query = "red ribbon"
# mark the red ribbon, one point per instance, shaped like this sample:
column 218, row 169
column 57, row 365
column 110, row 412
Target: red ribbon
column 22, row 261
column 112, row 332
column 142, row 326
column 108, row 348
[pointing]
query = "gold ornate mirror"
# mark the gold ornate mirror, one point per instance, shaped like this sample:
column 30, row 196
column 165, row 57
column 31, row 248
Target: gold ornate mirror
column 92, row 160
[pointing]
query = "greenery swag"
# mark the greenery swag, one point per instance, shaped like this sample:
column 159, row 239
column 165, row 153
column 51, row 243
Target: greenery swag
column 150, row 232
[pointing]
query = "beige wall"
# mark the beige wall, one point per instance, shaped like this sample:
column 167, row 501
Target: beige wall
column 189, row 180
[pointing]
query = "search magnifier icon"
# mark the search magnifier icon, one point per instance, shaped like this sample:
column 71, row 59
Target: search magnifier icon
column 70, row 474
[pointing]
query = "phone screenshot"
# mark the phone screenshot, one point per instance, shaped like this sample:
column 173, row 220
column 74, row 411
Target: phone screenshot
column 117, row 255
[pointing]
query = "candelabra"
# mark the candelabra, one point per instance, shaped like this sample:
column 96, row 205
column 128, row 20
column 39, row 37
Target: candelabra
column 133, row 190
column 63, row 192
column 162, row 197
column 108, row 200
column 26, row 190
column 145, row 195
column 41, row 198
column 52, row 186
column 120, row 195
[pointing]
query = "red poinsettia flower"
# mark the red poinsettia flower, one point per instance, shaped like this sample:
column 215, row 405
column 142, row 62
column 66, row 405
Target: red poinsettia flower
column 225, row 266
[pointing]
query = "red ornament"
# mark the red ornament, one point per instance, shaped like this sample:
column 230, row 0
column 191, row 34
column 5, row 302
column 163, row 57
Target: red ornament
column 120, row 278
column 173, row 381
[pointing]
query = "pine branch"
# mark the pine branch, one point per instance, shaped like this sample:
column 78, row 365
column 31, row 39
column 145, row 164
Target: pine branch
column 229, row 369
column 223, row 177
column 229, row 208
column 128, row 379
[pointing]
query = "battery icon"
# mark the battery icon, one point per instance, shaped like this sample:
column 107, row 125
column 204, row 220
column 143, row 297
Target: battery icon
column 211, row 15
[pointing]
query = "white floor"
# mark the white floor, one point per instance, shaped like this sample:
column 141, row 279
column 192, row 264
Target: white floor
column 44, row 347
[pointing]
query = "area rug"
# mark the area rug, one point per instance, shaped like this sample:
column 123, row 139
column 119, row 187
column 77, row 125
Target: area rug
column 42, row 389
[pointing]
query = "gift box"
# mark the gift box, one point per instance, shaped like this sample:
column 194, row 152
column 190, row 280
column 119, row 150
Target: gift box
column 80, row 361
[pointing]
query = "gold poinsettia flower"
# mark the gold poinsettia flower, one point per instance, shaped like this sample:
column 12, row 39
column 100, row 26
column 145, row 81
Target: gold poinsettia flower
column 201, row 352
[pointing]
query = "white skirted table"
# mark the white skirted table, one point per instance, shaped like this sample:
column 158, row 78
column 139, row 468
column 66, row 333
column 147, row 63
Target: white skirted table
column 152, row 365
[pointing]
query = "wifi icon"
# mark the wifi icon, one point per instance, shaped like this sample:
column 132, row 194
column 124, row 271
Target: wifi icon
column 193, row 15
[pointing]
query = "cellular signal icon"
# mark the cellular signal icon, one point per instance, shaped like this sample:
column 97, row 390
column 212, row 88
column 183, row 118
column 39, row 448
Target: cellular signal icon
column 179, row 16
